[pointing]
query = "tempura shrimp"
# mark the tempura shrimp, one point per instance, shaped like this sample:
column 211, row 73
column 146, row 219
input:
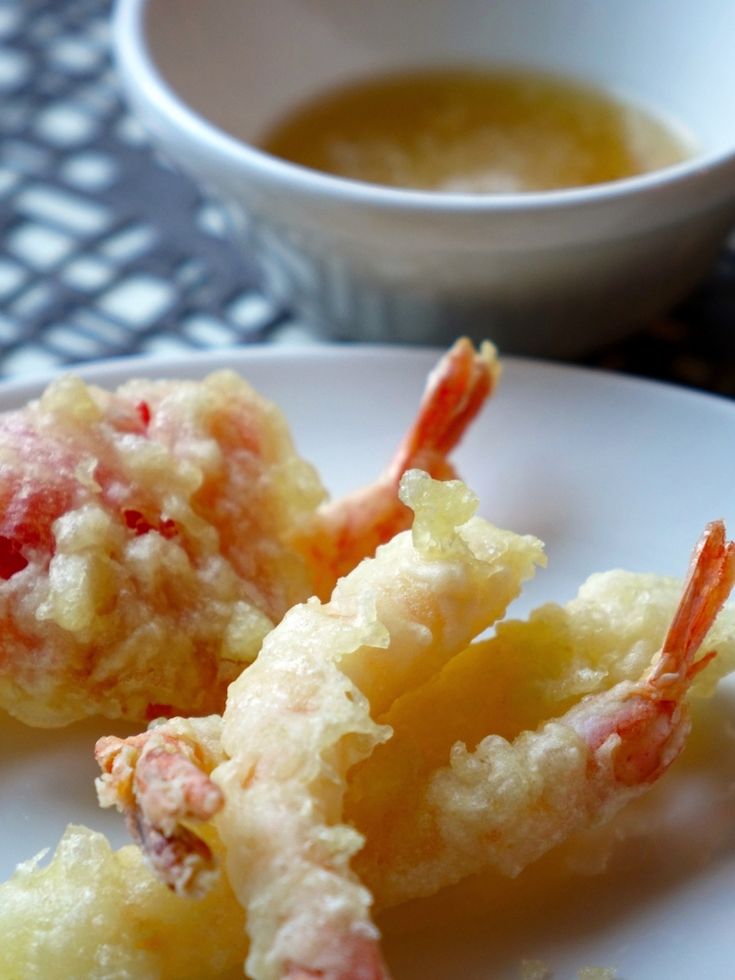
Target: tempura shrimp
column 152, row 536
column 300, row 717
column 529, row 671
column 599, row 642
column 505, row 802
column 295, row 731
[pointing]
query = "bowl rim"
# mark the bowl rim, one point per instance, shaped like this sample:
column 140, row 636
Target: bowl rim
column 141, row 76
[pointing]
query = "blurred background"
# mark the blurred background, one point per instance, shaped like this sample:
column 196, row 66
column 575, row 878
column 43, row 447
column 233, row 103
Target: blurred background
column 105, row 251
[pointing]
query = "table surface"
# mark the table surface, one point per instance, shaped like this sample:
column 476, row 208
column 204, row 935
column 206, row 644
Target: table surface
column 105, row 251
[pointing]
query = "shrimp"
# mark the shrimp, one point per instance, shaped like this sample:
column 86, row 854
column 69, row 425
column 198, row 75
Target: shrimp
column 301, row 717
column 504, row 683
column 507, row 801
column 513, row 681
column 292, row 730
column 347, row 530
column 297, row 727
column 150, row 537
column 159, row 781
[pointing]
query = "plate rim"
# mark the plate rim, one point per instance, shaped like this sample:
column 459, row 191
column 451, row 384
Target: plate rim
column 114, row 370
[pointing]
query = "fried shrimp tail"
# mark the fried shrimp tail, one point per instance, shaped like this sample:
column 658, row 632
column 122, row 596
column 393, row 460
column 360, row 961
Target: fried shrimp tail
column 455, row 392
column 349, row 529
column 302, row 716
column 707, row 588
column 159, row 780
column 642, row 729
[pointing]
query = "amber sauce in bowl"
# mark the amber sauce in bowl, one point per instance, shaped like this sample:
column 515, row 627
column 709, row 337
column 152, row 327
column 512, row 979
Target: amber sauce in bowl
column 475, row 131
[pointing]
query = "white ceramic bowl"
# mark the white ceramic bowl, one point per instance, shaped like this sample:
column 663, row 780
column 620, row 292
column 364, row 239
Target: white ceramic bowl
column 544, row 273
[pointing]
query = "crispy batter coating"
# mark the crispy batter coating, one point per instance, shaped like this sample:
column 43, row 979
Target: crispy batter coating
column 300, row 717
column 530, row 671
column 101, row 915
column 150, row 537
column 546, row 729
column 143, row 545
column 310, row 758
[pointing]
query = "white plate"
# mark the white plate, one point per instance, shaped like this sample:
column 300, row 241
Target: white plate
column 609, row 472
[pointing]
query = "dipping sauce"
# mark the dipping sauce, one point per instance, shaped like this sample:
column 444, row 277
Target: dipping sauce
column 475, row 131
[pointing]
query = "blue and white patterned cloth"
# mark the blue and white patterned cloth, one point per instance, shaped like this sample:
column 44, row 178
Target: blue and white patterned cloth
column 103, row 250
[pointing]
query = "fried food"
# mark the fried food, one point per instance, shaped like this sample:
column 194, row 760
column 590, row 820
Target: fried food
column 159, row 781
column 371, row 752
column 310, row 758
column 473, row 798
column 150, row 537
column 301, row 717
column 528, row 672
column 142, row 545
column 100, row 914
